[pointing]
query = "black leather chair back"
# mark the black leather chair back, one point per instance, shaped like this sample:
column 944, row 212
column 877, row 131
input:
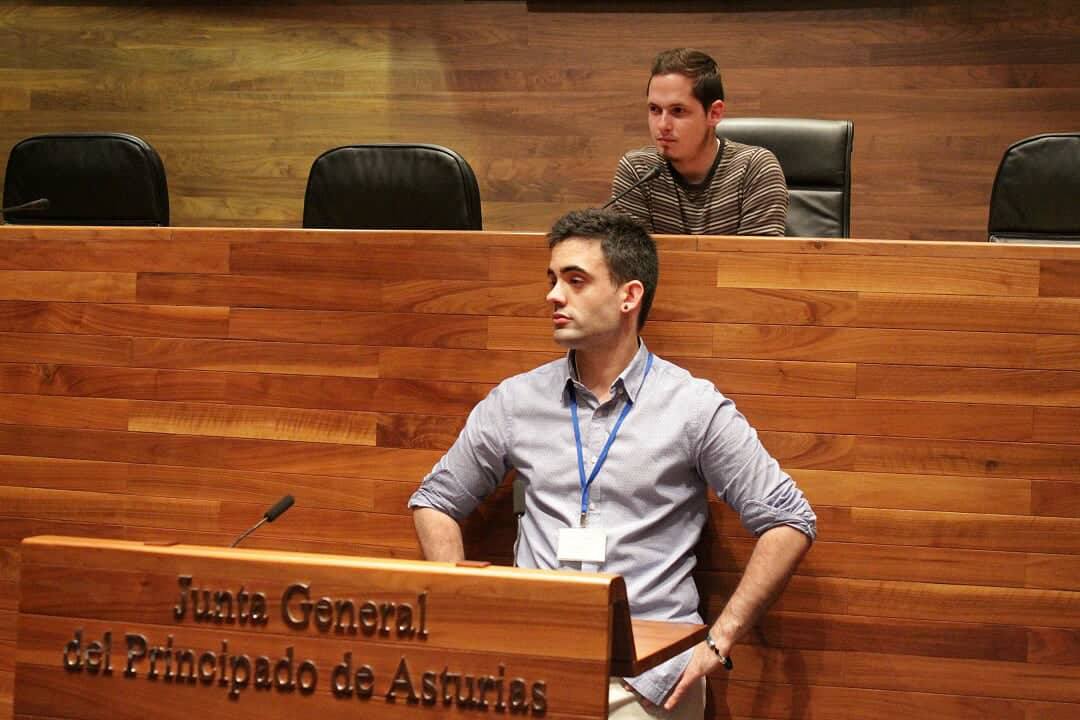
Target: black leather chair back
column 89, row 179
column 393, row 186
column 1036, row 195
column 816, row 158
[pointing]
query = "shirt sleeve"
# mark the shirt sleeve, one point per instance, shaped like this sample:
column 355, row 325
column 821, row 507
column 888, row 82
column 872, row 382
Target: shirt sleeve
column 737, row 466
column 765, row 197
column 474, row 465
column 634, row 202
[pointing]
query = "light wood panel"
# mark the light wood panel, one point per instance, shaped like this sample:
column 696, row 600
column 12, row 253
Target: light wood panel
column 932, row 425
column 541, row 97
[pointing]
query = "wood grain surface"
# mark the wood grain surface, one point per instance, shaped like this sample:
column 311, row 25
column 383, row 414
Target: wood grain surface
column 932, row 425
column 540, row 96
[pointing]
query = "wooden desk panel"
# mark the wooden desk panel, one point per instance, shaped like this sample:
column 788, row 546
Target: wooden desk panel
column 172, row 383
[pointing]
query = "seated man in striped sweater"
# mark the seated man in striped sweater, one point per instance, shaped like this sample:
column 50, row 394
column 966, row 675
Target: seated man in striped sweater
column 705, row 186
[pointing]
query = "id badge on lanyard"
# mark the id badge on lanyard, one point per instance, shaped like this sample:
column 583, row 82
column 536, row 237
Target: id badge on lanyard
column 588, row 542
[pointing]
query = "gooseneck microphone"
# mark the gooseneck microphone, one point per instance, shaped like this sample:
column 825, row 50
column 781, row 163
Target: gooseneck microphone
column 269, row 516
column 39, row 204
column 644, row 179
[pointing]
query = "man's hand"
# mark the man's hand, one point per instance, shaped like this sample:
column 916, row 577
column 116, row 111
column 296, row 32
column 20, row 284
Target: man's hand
column 775, row 557
column 702, row 662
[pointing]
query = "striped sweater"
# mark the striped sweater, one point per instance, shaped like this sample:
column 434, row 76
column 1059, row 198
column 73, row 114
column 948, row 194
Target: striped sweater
column 744, row 194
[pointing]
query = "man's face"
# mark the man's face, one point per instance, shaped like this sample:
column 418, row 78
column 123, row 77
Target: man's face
column 585, row 301
column 679, row 125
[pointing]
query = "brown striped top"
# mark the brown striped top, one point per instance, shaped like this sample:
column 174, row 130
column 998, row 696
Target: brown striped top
column 744, row 194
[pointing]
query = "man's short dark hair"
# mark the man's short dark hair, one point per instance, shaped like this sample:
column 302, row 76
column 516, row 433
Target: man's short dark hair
column 696, row 65
column 629, row 251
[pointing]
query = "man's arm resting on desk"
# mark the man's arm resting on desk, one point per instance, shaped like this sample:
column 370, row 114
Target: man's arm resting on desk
column 439, row 534
column 776, row 555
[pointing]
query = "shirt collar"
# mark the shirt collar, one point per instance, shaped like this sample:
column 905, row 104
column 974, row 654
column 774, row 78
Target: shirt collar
column 630, row 378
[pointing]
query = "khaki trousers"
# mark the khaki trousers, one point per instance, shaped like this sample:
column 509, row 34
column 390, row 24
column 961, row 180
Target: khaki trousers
column 625, row 704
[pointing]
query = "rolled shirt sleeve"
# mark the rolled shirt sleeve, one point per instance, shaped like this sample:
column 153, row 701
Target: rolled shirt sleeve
column 475, row 463
column 737, row 466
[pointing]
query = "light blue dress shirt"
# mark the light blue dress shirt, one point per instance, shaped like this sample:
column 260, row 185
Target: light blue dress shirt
column 680, row 437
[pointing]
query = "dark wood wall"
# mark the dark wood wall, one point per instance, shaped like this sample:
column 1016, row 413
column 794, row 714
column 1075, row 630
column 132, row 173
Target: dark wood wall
column 170, row 384
column 540, row 97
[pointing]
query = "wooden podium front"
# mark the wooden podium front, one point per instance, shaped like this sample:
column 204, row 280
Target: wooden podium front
column 112, row 629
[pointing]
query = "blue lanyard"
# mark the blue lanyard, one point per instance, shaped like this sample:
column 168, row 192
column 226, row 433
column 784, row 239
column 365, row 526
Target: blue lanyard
column 586, row 483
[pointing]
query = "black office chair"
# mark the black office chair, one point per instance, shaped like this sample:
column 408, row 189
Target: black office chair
column 88, row 179
column 1036, row 195
column 393, row 186
column 816, row 158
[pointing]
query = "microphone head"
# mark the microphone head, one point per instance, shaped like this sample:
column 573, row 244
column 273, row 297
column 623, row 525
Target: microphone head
column 279, row 507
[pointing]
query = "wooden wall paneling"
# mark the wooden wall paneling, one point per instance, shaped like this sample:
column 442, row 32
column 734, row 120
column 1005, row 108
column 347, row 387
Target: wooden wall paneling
column 356, row 328
column 745, row 699
column 810, row 450
column 101, row 414
column 466, row 297
column 779, row 377
column 963, row 457
column 931, row 425
column 239, row 104
column 1053, row 645
column 945, row 529
column 256, row 356
column 703, row 303
column 108, row 508
column 91, row 349
column 285, row 290
column 903, row 491
column 110, row 250
column 323, row 459
column 960, row 421
column 480, row 366
column 968, row 313
column 325, row 426
column 869, row 345
column 46, row 378
column 358, row 259
column 66, row 286
column 1058, row 352
column 927, row 638
column 433, row 432
column 893, row 562
column 914, row 600
column 1054, row 388
column 1061, row 499
column 113, row 319
column 938, row 275
column 950, row 676
column 1058, row 278
column 1059, row 572
column 61, row 474
column 883, row 526
column 346, row 393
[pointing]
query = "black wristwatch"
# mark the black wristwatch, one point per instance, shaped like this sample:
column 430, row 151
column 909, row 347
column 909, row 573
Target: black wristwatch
column 728, row 665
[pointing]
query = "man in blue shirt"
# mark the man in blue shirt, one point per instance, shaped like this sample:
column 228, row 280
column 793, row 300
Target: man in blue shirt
column 617, row 448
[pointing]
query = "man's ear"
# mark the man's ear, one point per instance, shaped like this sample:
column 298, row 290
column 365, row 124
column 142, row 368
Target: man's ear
column 715, row 113
column 632, row 294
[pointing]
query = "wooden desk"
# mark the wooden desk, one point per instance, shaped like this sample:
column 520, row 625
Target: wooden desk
column 120, row 629
column 172, row 383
